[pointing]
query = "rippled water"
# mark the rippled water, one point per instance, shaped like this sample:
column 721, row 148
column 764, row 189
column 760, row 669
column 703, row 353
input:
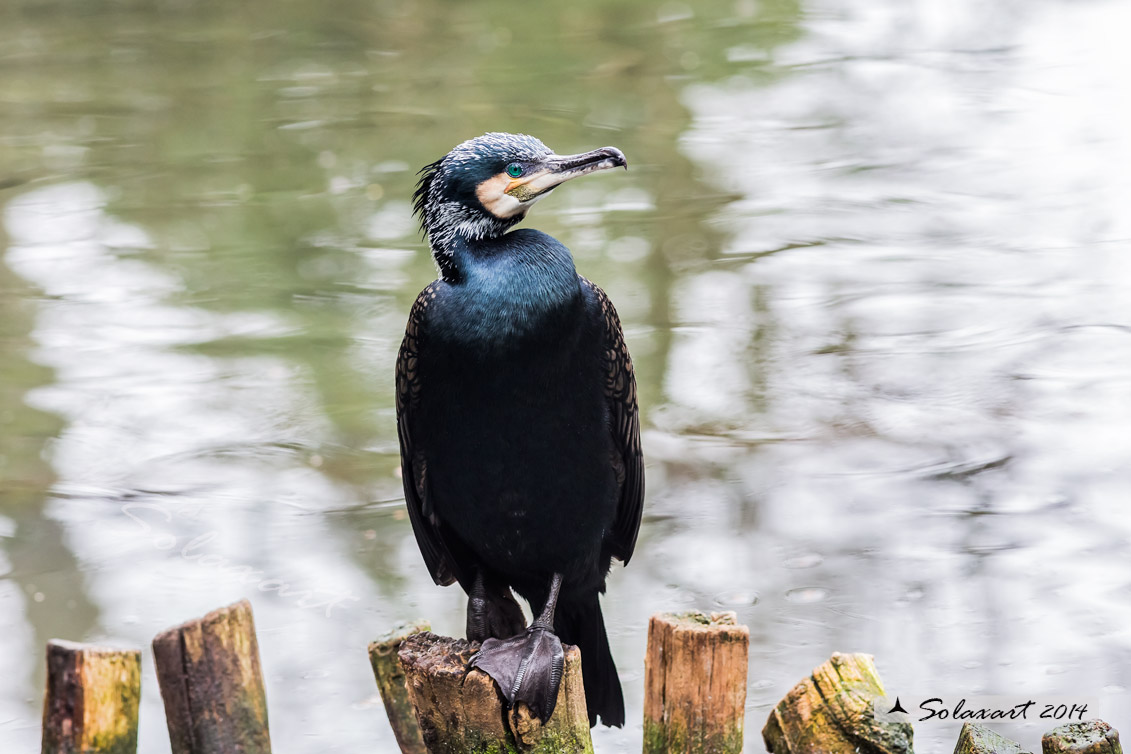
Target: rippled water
column 872, row 260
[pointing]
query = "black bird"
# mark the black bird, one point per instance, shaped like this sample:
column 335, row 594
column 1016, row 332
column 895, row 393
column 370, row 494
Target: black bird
column 518, row 425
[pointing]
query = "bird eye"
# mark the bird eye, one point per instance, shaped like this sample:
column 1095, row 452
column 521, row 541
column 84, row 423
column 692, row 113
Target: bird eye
column 514, row 170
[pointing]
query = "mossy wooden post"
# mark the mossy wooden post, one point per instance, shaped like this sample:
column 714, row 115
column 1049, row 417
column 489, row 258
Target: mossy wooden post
column 391, row 683
column 92, row 699
column 831, row 713
column 208, row 671
column 462, row 712
column 1086, row 737
column 695, row 684
column 978, row 739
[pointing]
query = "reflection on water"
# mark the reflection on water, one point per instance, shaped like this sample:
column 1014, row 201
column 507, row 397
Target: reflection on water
column 871, row 260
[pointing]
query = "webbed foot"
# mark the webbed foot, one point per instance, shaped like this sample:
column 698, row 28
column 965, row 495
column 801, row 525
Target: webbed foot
column 527, row 668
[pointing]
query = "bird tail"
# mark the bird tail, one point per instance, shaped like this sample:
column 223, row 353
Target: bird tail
column 580, row 622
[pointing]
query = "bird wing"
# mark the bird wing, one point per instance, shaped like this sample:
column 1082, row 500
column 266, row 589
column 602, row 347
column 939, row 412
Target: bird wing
column 414, row 467
column 624, row 424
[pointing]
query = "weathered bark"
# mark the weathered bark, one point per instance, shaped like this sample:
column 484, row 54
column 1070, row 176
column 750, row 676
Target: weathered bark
column 978, row 739
column 831, row 713
column 462, row 712
column 212, row 685
column 391, row 683
column 1087, row 737
column 92, row 699
column 695, row 684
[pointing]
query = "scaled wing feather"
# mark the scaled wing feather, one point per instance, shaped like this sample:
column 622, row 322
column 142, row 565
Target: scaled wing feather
column 624, row 420
column 414, row 469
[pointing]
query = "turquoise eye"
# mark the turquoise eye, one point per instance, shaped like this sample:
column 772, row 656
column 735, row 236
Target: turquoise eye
column 514, row 170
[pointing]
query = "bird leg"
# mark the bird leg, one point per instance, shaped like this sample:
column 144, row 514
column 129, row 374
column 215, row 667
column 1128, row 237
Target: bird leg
column 528, row 667
column 492, row 611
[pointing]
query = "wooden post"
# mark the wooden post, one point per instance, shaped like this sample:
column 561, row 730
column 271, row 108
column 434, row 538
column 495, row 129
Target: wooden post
column 208, row 671
column 462, row 712
column 92, row 699
column 831, row 713
column 1087, row 737
column 978, row 739
column 695, row 683
column 391, row 683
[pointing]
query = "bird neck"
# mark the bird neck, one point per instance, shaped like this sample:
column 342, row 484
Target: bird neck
column 511, row 287
column 452, row 227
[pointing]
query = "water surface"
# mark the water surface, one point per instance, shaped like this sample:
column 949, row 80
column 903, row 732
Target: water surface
column 872, row 259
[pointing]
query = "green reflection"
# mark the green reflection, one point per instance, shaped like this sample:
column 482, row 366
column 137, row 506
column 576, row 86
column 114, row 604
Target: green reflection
column 267, row 152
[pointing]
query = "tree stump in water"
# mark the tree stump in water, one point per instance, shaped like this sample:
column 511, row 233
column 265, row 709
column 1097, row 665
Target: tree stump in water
column 208, row 671
column 92, row 699
column 831, row 713
column 978, row 739
column 391, row 683
column 462, row 712
column 695, row 684
column 1087, row 737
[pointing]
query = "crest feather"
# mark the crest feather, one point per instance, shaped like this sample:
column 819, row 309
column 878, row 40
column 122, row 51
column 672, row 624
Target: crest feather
column 423, row 189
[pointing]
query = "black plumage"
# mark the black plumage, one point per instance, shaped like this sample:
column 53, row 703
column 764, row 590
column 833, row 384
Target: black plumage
column 518, row 421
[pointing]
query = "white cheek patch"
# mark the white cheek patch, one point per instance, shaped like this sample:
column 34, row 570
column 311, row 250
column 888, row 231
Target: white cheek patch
column 493, row 196
column 505, row 206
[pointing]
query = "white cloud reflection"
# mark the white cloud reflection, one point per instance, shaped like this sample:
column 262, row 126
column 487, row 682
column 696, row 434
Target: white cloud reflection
column 953, row 347
column 183, row 483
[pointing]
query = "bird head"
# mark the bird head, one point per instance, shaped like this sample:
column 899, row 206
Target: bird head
column 487, row 184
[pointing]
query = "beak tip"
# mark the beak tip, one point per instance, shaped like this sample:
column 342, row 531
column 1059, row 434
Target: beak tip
column 618, row 157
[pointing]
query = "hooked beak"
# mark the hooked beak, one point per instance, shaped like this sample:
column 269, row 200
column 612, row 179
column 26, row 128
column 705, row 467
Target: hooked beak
column 557, row 169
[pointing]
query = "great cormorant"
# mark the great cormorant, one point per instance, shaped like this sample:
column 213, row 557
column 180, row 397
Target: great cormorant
column 518, row 424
